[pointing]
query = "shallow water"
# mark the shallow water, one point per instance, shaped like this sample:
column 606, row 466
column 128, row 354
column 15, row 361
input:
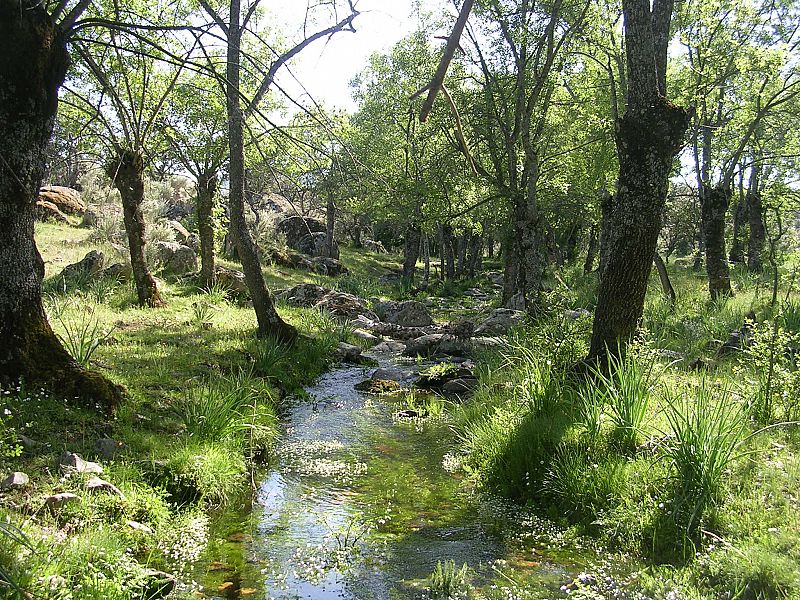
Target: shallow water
column 360, row 504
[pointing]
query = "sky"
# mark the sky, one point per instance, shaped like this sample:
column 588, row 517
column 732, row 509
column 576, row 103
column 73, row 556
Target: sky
column 326, row 69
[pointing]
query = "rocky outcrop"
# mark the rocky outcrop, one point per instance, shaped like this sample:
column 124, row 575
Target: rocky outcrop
column 47, row 212
column 67, row 200
column 374, row 246
column 499, row 321
column 314, row 244
column 295, row 228
column 341, row 304
column 231, row 280
column 304, row 294
column 331, row 267
column 89, row 266
column 176, row 258
column 450, row 345
column 405, row 314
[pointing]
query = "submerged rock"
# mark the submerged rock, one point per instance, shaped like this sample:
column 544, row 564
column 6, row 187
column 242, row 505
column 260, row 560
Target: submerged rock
column 378, row 386
column 348, row 353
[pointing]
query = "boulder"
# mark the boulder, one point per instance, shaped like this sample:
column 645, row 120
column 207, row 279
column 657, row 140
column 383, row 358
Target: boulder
column 57, row 501
column 460, row 386
column 446, row 344
column 47, row 211
column 476, row 294
column 231, row 280
column 405, row 314
column 436, row 377
column 331, row 267
column 388, row 374
column 295, row 228
column 314, row 244
column 120, row 271
column 276, row 205
column 176, row 258
column 304, row 294
column 348, row 353
column 95, row 484
column 91, row 217
column 88, row 266
column 341, row 304
column 15, row 481
column 499, row 321
column 389, row 347
column 67, row 200
column 374, row 246
column 74, row 462
column 496, row 277
column 366, row 336
column 291, row 260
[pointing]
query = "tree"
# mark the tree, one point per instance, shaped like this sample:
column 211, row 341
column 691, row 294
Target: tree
column 233, row 30
column 33, row 63
column 195, row 125
column 649, row 138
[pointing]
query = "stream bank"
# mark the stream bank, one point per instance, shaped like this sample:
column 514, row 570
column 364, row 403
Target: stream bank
column 364, row 503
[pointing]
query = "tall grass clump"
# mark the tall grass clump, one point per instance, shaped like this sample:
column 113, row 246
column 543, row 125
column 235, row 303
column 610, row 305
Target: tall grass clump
column 706, row 433
column 83, row 334
column 626, row 387
column 448, row 581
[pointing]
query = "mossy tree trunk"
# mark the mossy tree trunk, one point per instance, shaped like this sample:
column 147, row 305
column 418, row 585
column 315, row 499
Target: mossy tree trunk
column 755, row 218
column 650, row 136
column 739, row 218
column 591, row 251
column 206, row 192
column 269, row 321
column 411, row 252
column 714, row 209
column 126, row 171
column 33, row 62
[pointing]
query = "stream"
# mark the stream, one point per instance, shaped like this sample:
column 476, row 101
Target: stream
column 360, row 503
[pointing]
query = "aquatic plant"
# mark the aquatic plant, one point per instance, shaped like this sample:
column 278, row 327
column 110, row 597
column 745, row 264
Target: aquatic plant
column 448, row 581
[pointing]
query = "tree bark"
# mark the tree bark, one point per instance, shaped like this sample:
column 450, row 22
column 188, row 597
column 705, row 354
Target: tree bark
column 739, row 216
column 126, row 172
column 650, row 136
column 330, row 222
column 269, row 321
column 591, row 251
column 206, row 192
column 426, row 257
column 411, row 252
column 714, row 207
column 758, row 234
column 475, row 255
column 448, row 252
column 33, row 61
column 663, row 275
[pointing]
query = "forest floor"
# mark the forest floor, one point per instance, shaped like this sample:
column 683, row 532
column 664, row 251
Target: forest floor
column 683, row 459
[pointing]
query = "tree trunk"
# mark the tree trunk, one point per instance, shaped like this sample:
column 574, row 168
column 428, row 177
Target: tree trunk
column 33, row 61
column 269, row 321
column 426, row 257
column 591, row 251
column 739, row 216
column 206, row 191
column 126, row 172
column 330, row 221
column 463, row 245
column 606, row 210
column 449, row 253
column 475, row 255
column 411, row 252
column 758, row 235
column 663, row 275
column 714, row 208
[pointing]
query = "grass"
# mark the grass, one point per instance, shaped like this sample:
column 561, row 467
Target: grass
column 200, row 416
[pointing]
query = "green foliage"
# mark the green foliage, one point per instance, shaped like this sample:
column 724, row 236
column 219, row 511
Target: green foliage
column 625, row 389
column 209, row 472
column 448, row 581
column 707, row 429
column 83, row 334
